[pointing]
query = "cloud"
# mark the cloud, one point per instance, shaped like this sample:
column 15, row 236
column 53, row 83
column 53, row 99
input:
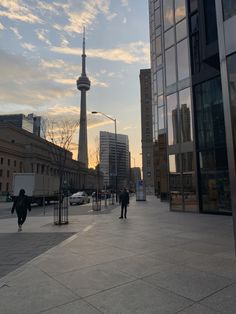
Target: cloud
column 127, row 53
column 41, row 34
column 18, row 10
column 16, row 32
column 72, row 113
column 66, row 73
column 47, row 7
column 64, row 41
column 124, row 3
column 1, row 26
column 129, row 127
column 56, row 64
column 83, row 13
column 22, row 81
column 28, row 46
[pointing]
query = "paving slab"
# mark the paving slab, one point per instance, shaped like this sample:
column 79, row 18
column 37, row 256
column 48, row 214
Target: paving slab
column 75, row 307
column 189, row 282
column 138, row 297
column 19, row 248
column 156, row 261
column 32, row 291
column 223, row 301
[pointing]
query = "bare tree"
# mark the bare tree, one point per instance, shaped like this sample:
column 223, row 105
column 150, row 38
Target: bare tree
column 59, row 135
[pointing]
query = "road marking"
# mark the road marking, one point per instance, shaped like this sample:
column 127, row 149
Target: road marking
column 89, row 227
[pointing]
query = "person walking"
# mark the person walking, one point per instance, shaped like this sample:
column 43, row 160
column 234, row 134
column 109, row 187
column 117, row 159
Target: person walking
column 21, row 204
column 124, row 201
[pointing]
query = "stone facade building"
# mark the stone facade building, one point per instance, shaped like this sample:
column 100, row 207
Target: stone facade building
column 22, row 151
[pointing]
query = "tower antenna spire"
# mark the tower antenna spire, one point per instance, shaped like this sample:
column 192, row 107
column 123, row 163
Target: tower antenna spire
column 83, row 85
column 84, row 40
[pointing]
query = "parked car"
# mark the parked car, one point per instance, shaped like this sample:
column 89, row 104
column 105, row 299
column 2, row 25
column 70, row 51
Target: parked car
column 80, row 197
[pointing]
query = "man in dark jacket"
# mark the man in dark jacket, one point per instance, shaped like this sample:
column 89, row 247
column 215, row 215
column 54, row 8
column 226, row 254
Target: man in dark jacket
column 124, row 201
column 21, row 204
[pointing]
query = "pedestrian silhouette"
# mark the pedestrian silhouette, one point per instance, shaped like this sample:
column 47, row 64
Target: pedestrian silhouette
column 21, row 204
column 124, row 202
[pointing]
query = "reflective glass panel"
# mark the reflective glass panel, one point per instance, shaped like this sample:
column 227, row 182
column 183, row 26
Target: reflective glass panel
column 169, row 38
column 161, row 118
column 211, row 146
column 181, row 30
column 180, row 10
column 194, row 23
column 157, row 17
column 170, row 66
column 160, row 82
column 168, row 13
column 194, row 5
column 160, row 101
column 231, row 64
column 154, row 83
column 174, row 164
column 210, row 21
column 172, row 119
column 185, row 115
column 183, row 59
column 229, row 8
column 157, row 3
column 159, row 60
column 175, row 181
column 158, row 46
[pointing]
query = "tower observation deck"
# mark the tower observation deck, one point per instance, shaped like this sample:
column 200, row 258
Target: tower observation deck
column 83, row 85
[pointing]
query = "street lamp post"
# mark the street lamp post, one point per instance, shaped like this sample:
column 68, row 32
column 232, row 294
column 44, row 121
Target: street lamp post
column 116, row 174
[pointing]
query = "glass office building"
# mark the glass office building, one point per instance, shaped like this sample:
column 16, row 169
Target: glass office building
column 193, row 99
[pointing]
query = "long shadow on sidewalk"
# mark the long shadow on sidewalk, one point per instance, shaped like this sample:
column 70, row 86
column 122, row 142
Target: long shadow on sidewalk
column 18, row 248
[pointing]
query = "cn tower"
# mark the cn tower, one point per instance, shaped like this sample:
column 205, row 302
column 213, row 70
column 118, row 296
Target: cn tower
column 83, row 84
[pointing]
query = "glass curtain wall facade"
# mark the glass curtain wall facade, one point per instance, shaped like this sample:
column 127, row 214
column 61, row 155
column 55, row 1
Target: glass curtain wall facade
column 188, row 107
column 173, row 119
column 226, row 25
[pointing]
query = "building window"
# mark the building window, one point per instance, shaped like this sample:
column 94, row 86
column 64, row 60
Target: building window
column 157, row 17
column 1, row 160
column 1, row 172
column 229, row 8
column 161, row 118
column 8, row 173
column 168, row 13
column 181, row 30
column 172, row 119
column 159, row 61
column 183, row 60
column 170, row 66
column 185, row 115
column 211, row 147
column 158, row 46
column 160, row 82
column 231, row 65
column 169, row 38
column 8, row 162
column 193, row 5
column 210, row 21
column 14, row 163
column 180, row 10
column 0, row 186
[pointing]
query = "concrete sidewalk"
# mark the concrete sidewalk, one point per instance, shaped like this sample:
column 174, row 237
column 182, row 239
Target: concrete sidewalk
column 156, row 261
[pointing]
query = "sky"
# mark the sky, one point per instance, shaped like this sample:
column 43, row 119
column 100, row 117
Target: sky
column 40, row 61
